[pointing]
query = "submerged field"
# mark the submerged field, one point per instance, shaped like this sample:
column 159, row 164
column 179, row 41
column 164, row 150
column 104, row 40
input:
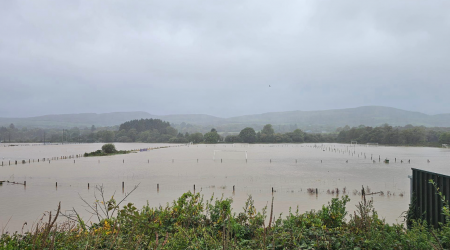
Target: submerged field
column 289, row 169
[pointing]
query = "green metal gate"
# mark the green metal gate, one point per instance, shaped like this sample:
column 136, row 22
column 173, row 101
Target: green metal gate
column 425, row 201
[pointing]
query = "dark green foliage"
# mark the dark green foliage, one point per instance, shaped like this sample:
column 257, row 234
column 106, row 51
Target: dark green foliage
column 444, row 138
column 160, row 131
column 109, row 148
column 211, row 137
column 145, row 125
column 192, row 223
column 233, row 139
column 248, row 135
column 407, row 135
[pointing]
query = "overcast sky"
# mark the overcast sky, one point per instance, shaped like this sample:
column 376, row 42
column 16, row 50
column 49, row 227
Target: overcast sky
column 219, row 57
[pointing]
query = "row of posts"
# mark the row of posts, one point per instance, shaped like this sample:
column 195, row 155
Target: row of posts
column 157, row 186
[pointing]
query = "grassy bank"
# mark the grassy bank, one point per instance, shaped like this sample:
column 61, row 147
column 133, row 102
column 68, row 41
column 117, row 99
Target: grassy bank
column 191, row 222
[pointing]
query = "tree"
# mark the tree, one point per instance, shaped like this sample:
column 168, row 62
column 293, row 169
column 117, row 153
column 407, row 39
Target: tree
column 171, row 131
column 93, row 128
column 445, row 138
column 211, row 137
column 106, row 136
column 248, row 135
column 109, row 148
column 232, row 138
column 267, row 130
column 196, row 137
column 132, row 134
column 297, row 135
column 213, row 130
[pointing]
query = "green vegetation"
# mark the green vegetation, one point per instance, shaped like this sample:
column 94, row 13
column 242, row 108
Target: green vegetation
column 107, row 149
column 248, row 135
column 212, row 136
column 388, row 135
column 192, row 223
column 154, row 130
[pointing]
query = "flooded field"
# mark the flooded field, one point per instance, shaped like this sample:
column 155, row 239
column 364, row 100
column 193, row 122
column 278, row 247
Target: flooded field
column 290, row 169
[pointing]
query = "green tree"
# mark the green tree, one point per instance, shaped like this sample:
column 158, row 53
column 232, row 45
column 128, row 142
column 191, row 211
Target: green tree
column 297, row 135
column 196, row 137
column 248, row 135
column 109, row 148
column 132, row 134
column 171, row 131
column 268, row 130
column 445, row 138
column 211, row 137
column 232, row 139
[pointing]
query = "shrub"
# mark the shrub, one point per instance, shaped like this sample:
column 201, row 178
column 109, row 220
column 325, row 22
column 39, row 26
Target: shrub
column 109, row 148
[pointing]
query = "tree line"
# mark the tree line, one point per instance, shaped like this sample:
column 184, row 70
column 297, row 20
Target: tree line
column 155, row 130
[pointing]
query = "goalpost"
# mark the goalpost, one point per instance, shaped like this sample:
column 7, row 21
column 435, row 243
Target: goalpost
column 354, row 143
column 230, row 151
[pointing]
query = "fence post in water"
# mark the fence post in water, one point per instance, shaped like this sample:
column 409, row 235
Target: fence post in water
column 233, row 188
column 56, row 184
column 88, row 185
column 270, row 160
column 316, row 192
column 123, row 184
column 123, row 161
column 220, row 160
column 25, row 183
column 157, row 187
column 194, row 188
column 272, row 190
column 16, row 162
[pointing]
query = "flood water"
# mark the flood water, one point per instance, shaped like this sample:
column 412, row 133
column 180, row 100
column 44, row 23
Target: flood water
column 289, row 168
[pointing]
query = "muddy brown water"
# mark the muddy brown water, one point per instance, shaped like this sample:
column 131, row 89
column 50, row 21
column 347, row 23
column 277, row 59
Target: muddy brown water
column 289, row 168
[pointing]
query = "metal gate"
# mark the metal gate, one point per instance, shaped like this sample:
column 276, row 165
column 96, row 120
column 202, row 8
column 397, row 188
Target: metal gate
column 425, row 201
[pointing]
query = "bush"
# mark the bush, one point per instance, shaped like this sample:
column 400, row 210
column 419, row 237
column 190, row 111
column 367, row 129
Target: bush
column 109, row 148
column 191, row 223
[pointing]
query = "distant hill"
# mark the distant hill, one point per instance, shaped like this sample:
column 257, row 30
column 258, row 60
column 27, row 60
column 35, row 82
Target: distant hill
column 369, row 116
column 75, row 120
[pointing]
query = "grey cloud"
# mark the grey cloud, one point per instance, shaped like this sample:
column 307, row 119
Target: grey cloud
column 218, row 57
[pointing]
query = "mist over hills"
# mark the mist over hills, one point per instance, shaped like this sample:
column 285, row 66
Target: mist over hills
column 330, row 119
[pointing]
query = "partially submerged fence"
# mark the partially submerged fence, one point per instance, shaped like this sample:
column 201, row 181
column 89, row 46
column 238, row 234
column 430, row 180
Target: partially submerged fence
column 425, row 201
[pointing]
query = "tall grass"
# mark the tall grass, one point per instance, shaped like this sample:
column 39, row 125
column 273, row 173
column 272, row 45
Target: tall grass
column 191, row 222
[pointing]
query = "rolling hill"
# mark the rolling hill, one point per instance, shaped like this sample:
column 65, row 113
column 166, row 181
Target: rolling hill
column 368, row 115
